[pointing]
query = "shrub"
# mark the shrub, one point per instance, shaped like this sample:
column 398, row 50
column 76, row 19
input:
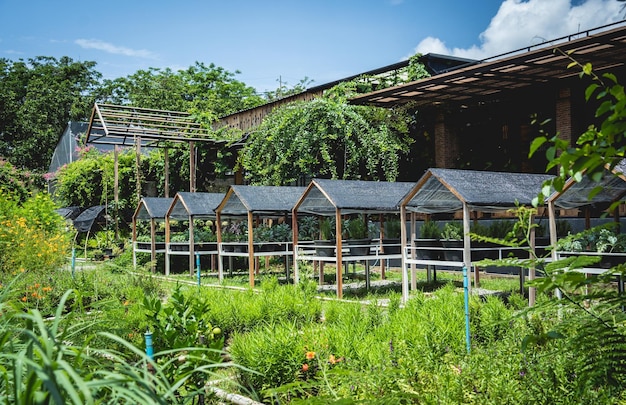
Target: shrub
column 430, row 230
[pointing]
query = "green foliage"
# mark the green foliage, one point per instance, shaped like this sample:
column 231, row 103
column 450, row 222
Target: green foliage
column 430, row 230
column 357, row 228
column 393, row 228
column 601, row 239
column 182, row 325
column 61, row 360
column 452, row 230
column 38, row 98
column 599, row 146
column 207, row 91
column 327, row 228
column 13, row 181
column 32, row 236
column 324, row 138
column 307, row 227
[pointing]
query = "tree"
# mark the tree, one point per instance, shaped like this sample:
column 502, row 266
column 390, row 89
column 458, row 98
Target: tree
column 37, row 99
column 325, row 137
column 208, row 92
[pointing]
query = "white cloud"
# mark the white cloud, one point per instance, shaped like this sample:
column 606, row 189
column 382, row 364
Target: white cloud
column 521, row 23
column 110, row 48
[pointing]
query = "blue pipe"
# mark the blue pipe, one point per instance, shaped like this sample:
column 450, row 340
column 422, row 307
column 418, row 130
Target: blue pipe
column 73, row 261
column 198, row 268
column 149, row 348
column 467, row 316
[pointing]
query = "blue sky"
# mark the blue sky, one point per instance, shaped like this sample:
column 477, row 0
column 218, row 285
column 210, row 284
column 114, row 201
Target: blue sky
column 268, row 41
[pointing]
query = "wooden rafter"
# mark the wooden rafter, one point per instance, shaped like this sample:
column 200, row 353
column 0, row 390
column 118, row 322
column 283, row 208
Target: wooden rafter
column 123, row 125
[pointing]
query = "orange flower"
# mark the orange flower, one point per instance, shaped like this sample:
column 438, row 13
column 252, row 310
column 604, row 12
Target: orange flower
column 126, row 303
column 310, row 355
column 46, row 289
column 24, row 298
column 332, row 359
column 305, row 367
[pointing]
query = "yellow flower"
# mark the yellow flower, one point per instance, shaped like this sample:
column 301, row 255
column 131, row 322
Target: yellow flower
column 310, row 355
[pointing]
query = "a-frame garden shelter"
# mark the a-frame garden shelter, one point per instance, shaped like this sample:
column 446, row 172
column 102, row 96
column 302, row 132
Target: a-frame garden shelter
column 151, row 209
column 584, row 196
column 465, row 191
column 336, row 198
column 189, row 206
column 254, row 203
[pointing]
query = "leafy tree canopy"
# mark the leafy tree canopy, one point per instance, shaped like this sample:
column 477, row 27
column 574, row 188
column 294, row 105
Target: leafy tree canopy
column 208, row 92
column 37, row 99
column 326, row 137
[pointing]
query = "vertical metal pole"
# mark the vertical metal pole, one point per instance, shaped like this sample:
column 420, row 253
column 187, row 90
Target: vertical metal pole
column 467, row 318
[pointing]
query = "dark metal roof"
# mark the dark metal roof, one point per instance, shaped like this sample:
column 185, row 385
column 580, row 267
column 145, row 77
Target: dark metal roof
column 576, row 194
column 240, row 200
column 198, row 205
column 324, row 197
column 445, row 190
column 153, row 208
column 603, row 47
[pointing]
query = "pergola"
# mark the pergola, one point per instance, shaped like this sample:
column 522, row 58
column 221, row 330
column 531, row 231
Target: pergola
column 454, row 190
column 537, row 65
column 151, row 209
column 128, row 126
column 190, row 206
column 251, row 201
column 335, row 198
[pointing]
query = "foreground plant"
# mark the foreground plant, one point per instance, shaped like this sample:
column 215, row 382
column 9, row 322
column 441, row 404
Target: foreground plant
column 51, row 361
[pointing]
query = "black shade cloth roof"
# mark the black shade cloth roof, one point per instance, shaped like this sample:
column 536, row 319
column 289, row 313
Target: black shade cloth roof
column 92, row 215
column 445, row 190
column 576, row 194
column 266, row 200
column 198, row 205
column 153, row 207
column 69, row 212
column 324, row 196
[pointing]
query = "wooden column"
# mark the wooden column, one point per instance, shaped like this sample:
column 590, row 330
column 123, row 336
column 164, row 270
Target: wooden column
column 339, row 258
column 166, row 168
column 192, row 167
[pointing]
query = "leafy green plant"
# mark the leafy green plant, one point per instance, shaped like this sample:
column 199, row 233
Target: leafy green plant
column 392, row 228
column 282, row 233
column 307, row 227
column 452, row 230
column 356, row 228
column 430, row 230
column 235, row 231
column 327, row 228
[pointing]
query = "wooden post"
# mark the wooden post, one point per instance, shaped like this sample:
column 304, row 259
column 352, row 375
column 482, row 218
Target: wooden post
column 166, row 168
column 116, row 187
column 192, row 167
column 138, row 168
column 339, row 258
column 381, row 220
column 251, row 249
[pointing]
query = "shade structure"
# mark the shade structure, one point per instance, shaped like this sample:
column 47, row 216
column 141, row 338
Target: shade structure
column 88, row 218
column 583, row 195
column 576, row 194
column 151, row 209
column 454, row 190
column 69, row 213
column 261, row 201
column 190, row 206
column 325, row 197
column 449, row 190
column 197, row 205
